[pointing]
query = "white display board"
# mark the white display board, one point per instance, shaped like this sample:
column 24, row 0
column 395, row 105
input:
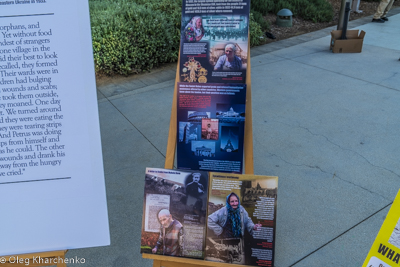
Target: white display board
column 52, row 190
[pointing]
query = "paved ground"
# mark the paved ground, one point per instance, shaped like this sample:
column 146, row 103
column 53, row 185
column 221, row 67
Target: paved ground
column 327, row 124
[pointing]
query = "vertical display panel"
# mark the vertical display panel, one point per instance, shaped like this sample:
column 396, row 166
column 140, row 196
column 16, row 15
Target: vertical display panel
column 210, row 132
column 51, row 170
column 214, row 41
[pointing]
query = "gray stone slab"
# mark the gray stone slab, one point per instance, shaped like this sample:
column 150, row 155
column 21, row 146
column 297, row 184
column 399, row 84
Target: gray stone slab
column 164, row 85
column 290, row 42
column 326, row 124
column 318, row 34
column 350, row 248
column 272, row 47
column 364, row 66
column 126, row 154
column 160, row 76
column 264, row 59
column 315, row 208
column 307, row 130
column 116, row 88
column 118, row 85
column 150, row 112
column 386, row 35
column 304, row 49
column 344, row 127
column 100, row 95
column 256, row 52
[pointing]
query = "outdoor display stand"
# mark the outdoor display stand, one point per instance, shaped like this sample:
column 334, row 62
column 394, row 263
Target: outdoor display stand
column 168, row 261
column 20, row 260
column 248, row 137
column 210, row 131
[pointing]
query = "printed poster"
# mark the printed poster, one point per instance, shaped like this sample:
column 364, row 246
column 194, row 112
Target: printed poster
column 214, row 41
column 385, row 251
column 210, row 125
column 241, row 219
column 52, row 189
column 174, row 213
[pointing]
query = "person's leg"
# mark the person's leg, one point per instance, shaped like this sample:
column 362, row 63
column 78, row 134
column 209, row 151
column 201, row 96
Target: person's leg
column 381, row 8
column 388, row 7
column 355, row 6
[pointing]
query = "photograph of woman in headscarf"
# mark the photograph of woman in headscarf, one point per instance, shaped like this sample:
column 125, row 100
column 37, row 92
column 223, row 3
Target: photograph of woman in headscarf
column 232, row 220
column 194, row 30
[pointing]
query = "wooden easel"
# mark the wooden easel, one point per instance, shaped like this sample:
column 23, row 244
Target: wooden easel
column 11, row 261
column 248, row 127
column 167, row 261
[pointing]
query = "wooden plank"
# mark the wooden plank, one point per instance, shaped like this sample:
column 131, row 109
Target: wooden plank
column 156, row 263
column 169, row 261
column 172, row 135
column 248, row 127
column 177, row 264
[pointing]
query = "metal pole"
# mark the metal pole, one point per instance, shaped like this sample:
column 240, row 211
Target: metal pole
column 346, row 20
column 341, row 14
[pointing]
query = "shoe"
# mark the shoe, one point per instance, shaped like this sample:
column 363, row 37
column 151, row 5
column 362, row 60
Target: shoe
column 385, row 18
column 378, row 20
column 358, row 11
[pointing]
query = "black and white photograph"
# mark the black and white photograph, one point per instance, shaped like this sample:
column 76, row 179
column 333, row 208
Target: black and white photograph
column 211, row 125
column 229, row 139
column 197, row 116
column 174, row 210
column 231, row 113
column 203, row 148
column 188, row 132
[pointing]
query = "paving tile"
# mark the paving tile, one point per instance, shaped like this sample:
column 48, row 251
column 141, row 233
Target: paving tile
column 350, row 248
column 126, row 154
column 327, row 124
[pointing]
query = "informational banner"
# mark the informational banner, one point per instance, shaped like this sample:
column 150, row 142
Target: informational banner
column 212, row 85
column 52, row 189
column 241, row 220
column 214, row 41
column 174, row 212
column 385, row 252
column 210, row 126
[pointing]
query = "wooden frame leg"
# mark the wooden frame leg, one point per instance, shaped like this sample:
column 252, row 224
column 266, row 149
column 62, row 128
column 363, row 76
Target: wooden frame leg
column 156, row 263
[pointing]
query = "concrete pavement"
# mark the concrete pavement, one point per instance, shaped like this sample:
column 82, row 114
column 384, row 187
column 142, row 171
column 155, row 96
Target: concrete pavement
column 327, row 124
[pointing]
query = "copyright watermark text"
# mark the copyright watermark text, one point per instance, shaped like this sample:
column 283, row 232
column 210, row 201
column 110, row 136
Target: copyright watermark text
column 40, row 260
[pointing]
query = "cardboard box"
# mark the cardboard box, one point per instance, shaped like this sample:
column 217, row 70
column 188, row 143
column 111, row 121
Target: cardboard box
column 353, row 43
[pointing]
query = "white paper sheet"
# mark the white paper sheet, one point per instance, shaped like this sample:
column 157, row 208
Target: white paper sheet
column 52, row 190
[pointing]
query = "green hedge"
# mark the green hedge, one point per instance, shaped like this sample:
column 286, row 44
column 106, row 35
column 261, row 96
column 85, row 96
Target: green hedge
column 132, row 36
column 256, row 32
